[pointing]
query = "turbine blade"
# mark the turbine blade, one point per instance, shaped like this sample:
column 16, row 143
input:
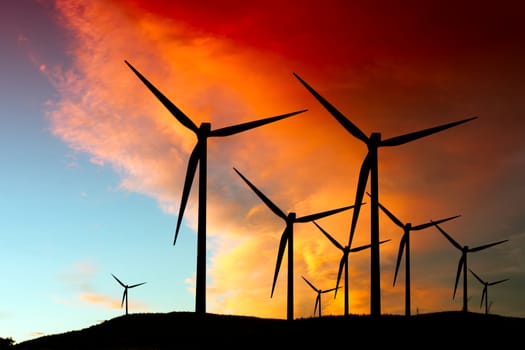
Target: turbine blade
column 261, row 195
column 119, row 281
column 136, row 285
column 175, row 111
column 477, row 277
column 362, row 247
column 428, row 224
column 402, row 245
column 329, row 290
column 310, row 284
column 342, row 263
column 399, row 140
column 317, row 303
column 451, row 240
column 124, row 296
column 323, row 214
column 497, row 282
column 483, row 296
column 332, row 239
column 389, row 214
column 280, row 254
column 460, row 267
column 475, row 249
column 235, row 129
column 366, row 246
column 361, row 184
column 188, row 181
column 345, row 122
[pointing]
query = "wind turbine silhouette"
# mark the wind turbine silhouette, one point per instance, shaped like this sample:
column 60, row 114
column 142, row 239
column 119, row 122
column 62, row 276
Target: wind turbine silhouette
column 287, row 238
column 319, row 292
column 462, row 265
column 404, row 245
column 344, row 261
column 125, row 294
column 199, row 157
column 370, row 167
column 485, row 293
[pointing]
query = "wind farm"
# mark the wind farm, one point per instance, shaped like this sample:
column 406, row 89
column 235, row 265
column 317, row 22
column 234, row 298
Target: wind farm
column 369, row 168
column 94, row 167
column 199, row 158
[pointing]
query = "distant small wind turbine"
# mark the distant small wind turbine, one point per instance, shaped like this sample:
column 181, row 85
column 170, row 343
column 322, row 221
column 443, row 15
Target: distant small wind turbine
column 287, row 238
column 344, row 262
column 485, row 293
column 369, row 167
column 319, row 292
column 199, row 157
column 126, row 287
column 404, row 245
column 462, row 265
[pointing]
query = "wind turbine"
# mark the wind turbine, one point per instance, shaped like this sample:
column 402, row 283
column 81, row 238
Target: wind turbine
column 319, row 292
column 485, row 294
column 404, row 245
column 287, row 238
column 370, row 167
column 462, row 265
column 126, row 287
column 199, row 157
column 344, row 261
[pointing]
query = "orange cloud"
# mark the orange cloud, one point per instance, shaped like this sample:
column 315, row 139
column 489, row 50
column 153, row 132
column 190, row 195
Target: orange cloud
column 106, row 302
column 100, row 300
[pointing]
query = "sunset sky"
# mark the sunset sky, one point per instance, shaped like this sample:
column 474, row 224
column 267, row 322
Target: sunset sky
column 93, row 165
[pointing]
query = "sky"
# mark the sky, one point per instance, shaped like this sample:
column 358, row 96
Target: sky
column 93, row 165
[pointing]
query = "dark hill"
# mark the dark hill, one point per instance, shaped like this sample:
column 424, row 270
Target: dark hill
column 182, row 330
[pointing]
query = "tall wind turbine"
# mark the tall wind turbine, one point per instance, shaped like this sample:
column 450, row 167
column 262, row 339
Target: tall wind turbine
column 462, row 265
column 287, row 238
column 404, row 245
column 199, row 157
column 126, row 287
column 319, row 292
column 485, row 293
column 344, row 262
column 370, row 167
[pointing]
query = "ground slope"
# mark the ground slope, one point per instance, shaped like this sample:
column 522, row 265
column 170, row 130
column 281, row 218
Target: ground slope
column 177, row 330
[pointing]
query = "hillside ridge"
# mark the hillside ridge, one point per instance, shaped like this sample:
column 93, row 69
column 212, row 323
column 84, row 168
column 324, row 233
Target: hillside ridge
column 146, row 331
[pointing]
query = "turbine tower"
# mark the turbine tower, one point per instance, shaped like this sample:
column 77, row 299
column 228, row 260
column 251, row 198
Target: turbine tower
column 369, row 167
column 199, row 157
